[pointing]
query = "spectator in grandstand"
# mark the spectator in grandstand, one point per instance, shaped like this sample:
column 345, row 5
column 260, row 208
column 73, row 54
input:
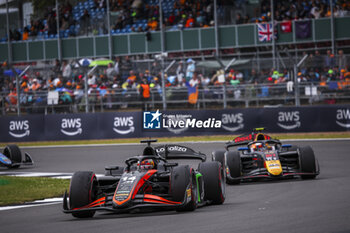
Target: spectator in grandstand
column 190, row 22
column 148, row 76
column 192, row 87
column 85, row 23
column 25, row 35
column 35, row 85
column 341, row 60
column 52, row 26
column 155, row 69
column 152, row 24
column 66, row 70
column 57, row 67
column 36, row 27
column 91, row 80
column 125, row 67
column 110, row 71
column 329, row 60
column 318, row 61
column 253, row 78
column 132, row 77
column 191, row 67
column 239, row 19
column 180, row 73
column 144, row 89
column 117, row 66
column 11, row 99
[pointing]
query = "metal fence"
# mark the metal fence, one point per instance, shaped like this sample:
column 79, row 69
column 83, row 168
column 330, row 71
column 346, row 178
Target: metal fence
column 209, row 97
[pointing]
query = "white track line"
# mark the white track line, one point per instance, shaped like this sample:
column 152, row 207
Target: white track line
column 49, row 201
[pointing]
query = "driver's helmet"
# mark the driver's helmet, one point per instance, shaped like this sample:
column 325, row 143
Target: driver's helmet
column 268, row 146
column 256, row 146
column 146, row 164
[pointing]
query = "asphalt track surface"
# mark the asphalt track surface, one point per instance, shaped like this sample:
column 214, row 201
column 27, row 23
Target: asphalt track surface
column 320, row 205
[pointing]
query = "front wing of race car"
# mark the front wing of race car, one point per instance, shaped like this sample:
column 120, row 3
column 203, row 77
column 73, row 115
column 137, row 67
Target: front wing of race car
column 7, row 162
column 140, row 201
column 262, row 173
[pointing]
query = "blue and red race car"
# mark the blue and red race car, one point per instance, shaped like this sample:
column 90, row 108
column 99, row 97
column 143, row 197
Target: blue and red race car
column 149, row 181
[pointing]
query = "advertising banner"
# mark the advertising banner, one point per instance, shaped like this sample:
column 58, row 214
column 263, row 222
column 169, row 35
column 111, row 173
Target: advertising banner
column 22, row 129
column 159, row 123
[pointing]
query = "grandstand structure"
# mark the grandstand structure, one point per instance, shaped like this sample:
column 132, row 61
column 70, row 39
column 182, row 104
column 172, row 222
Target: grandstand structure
column 300, row 57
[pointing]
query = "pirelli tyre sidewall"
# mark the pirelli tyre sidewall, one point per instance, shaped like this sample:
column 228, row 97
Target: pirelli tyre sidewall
column 14, row 154
column 233, row 167
column 82, row 191
column 214, row 181
column 182, row 181
column 307, row 162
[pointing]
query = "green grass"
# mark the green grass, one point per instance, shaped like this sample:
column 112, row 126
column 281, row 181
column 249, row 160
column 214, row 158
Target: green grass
column 17, row 190
column 184, row 139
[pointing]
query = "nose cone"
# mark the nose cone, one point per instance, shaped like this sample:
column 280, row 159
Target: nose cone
column 274, row 167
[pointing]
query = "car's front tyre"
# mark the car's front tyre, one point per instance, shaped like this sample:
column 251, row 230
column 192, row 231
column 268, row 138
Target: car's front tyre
column 82, row 191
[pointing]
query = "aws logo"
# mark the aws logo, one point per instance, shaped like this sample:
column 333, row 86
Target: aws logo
column 123, row 125
column 232, row 122
column 289, row 120
column 343, row 115
column 71, row 126
column 19, row 129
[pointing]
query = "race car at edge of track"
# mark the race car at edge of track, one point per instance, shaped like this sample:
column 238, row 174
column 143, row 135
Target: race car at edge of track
column 149, row 181
column 12, row 157
column 263, row 157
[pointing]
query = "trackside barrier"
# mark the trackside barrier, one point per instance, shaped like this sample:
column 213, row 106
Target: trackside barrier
column 130, row 124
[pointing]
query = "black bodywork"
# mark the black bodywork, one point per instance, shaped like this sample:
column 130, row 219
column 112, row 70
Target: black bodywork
column 166, row 186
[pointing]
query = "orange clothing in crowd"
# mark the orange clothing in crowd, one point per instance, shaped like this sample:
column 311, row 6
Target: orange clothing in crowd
column 13, row 97
column 153, row 24
column 189, row 22
column 35, row 86
column 132, row 78
column 25, row 36
column 146, row 91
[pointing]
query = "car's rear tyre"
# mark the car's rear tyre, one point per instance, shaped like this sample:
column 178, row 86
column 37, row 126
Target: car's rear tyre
column 233, row 164
column 82, row 191
column 14, row 154
column 214, row 181
column 183, row 178
column 219, row 156
column 307, row 162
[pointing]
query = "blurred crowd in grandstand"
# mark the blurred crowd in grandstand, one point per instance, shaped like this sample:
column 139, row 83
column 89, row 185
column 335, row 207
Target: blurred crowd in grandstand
column 122, row 76
column 89, row 17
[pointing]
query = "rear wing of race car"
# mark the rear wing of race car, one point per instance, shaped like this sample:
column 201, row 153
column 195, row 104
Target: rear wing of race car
column 173, row 151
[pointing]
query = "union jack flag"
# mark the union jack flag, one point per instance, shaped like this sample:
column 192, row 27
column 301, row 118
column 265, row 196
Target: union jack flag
column 265, row 31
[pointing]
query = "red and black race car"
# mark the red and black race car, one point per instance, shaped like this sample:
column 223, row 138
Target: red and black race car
column 263, row 157
column 149, row 181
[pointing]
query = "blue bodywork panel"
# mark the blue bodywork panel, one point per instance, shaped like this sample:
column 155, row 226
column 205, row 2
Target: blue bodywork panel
column 4, row 160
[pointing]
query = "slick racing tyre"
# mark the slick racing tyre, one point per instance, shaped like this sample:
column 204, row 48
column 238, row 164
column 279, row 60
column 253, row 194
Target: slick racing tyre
column 82, row 191
column 233, row 167
column 219, row 156
column 183, row 181
column 307, row 162
column 14, row 154
column 214, row 181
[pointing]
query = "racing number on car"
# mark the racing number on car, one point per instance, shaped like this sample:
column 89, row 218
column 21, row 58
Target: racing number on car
column 270, row 157
column 129, row 179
